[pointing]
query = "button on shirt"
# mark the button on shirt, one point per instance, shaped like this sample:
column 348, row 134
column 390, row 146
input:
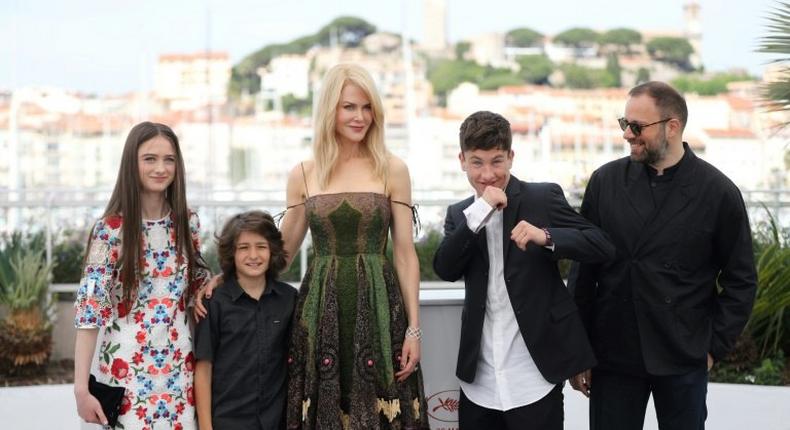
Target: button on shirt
column 507, row 377
column 246, row 340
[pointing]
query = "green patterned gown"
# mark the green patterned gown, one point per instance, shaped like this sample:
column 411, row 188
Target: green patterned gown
column 349, row 324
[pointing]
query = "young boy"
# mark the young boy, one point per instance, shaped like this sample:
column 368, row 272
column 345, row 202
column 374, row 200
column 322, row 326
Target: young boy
column 241, row 347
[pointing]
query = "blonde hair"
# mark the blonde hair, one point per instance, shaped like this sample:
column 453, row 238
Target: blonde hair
column 325, row 144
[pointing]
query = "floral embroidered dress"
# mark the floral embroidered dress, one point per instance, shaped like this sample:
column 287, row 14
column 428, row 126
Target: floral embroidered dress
column 147, row 348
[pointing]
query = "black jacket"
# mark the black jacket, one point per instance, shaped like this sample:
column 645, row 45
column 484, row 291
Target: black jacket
column 660, row 294
column 543, row 306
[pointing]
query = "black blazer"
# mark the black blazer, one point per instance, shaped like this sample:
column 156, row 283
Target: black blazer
column 660, row 293
column 543, row 306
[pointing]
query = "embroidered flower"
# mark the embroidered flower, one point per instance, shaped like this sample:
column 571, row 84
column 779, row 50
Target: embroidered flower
column 120, row 368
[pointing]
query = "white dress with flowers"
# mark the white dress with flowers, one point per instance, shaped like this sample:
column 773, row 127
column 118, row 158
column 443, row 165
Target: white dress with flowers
column 146, row 349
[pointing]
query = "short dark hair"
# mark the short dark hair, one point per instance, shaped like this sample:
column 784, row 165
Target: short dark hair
column 668, row 100
column 257, row 222
column 485, row 130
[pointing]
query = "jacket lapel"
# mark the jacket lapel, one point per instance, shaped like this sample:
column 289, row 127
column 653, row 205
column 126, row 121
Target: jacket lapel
column 512, row 190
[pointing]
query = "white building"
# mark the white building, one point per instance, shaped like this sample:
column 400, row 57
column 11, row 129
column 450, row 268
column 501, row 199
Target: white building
column 191, row 81
column 285, row 74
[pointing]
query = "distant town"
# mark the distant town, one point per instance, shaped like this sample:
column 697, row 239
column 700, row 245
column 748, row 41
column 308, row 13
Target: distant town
column 243, row 126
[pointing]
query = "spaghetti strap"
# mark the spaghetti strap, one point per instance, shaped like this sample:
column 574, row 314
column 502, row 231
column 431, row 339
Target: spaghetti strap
column 304, row 178
column 415, row 216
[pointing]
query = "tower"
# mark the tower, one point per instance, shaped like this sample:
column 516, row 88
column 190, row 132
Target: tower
column 693, row 30
column 434, row 25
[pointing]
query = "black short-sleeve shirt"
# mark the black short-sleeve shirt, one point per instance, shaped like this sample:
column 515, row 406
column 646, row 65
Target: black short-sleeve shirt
column 246, row 340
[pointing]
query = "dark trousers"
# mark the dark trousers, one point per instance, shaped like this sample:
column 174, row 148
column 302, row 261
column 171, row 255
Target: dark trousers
column 618, row 401
column 545, row 414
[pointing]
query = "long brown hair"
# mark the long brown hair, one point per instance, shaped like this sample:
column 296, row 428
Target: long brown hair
column 125, row 201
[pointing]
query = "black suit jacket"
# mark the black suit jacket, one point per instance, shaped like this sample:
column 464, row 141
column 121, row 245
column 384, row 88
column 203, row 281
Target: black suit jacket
column 660, row 293
column 543, row 306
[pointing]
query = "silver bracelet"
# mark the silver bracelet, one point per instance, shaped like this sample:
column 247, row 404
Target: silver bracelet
column 414, row 332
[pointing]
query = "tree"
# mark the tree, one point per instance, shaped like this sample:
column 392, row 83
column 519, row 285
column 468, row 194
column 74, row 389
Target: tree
column 642, row 75
column 349, row 31
column 577, row 37
column 614, row 69
column 622, row 38
column 716, row 84
column 447, row 74
column 495, row 78
column 244, row 76
column 523, row 38
column 461, row 48
column 535, row 68
column 673, row 50
column 777, row 42
column 293, row 105
column 580, row 77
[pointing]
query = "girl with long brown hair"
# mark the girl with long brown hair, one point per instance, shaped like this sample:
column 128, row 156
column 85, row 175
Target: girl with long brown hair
column 142, row 267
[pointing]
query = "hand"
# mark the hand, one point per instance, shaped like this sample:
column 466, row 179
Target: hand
column 409, row 358
column 200, row 311
column 495, row 197
column 582, row 382
column 89, row 408
column 710, row 362
column 524, row 233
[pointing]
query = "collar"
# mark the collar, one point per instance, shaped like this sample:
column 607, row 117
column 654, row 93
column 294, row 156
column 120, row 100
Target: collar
column 236, row 292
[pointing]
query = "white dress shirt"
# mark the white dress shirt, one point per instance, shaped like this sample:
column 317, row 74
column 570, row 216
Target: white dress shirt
column 507, row 377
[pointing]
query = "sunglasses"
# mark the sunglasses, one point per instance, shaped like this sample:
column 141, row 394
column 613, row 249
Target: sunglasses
column 636, row 128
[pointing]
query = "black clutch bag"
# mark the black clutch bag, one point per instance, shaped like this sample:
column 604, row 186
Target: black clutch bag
column 110, row 398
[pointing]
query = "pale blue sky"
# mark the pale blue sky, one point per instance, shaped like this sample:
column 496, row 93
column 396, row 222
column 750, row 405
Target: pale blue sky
column 110, row 46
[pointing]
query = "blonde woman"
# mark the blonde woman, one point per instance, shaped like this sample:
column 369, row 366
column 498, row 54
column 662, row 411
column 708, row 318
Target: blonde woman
column 355, row 345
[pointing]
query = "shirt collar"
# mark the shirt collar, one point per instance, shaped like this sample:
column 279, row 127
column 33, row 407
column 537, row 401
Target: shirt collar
column 235, row 290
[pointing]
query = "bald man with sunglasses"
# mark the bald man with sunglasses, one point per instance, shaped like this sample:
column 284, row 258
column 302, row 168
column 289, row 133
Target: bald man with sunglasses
column 655, row 316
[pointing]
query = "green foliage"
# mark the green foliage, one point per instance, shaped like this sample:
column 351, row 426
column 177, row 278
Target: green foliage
column 621, row 37
column 768, row 371
column 461, row 48
column 642, row 75
column 495, row 78
column 447, row 74
column 577, row 37
column 31, row 281
column 12, row 247
column 523, row 37
column 580, row 77
column 673, row 50
column 769, row 323
column 210, row 254
column 426, row 248
column 346, row 30
column 708, row 86
column 777, row 93
column 613, row 69
column 67, row 260
column 297, row 106
column 535, row 68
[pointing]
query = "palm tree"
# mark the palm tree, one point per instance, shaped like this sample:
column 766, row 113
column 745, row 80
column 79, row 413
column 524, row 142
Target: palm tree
column 777, row 42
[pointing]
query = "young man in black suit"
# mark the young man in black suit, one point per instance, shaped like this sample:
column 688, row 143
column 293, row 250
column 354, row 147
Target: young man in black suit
column 521, row 335
column 682, row 286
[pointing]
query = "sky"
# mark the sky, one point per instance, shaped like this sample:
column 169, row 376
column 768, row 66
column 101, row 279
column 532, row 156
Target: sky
column 111, row 46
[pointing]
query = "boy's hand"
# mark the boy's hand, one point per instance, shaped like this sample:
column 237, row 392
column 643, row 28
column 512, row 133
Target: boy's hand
column 495, row 197
column 201, row 311
column 524, row 233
